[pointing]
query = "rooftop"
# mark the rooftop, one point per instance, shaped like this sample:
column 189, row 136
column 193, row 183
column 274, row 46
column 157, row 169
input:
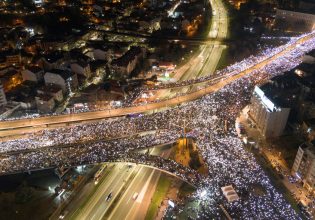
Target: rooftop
column 65, row 74
column 282, row 90
column 44, row 97
column 34, row 69
column 127, row 57
column 50, row 89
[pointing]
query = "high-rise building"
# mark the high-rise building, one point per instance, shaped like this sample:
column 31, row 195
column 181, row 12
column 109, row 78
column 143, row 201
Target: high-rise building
column 269, row 117
column 304, row 165
column 295, row 21
column 3, row 99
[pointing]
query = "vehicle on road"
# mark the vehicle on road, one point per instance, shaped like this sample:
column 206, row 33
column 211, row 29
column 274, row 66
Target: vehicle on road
column 135, row 196
column 109, row 196
column 62, row 216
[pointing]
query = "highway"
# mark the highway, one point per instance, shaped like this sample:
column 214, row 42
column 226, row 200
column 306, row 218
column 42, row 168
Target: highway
column 144, row 185
column 205, row 63
column 123, row 182
column 97, row 204
column 16, row 127
column 202, row 64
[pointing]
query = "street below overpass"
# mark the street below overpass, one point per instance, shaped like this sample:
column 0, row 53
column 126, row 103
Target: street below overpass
column 123, row 181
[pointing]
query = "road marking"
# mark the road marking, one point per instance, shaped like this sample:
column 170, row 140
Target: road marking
column 144, row 189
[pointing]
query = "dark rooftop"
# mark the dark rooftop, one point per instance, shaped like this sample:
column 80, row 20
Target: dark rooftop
column 283, row 90
column 127, row 57
column 65, row 74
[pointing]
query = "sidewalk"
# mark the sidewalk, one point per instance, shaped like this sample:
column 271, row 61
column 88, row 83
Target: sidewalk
column 271, row 153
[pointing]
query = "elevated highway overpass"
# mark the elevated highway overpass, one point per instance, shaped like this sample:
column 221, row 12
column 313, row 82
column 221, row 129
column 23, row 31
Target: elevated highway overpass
column 18, row 127
column 168, row 166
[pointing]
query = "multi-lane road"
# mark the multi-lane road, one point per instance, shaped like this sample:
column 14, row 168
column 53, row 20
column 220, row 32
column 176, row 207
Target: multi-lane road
column 202, row 64
column 135, row 201
column 123, row 182
column 145, row 180
column 15, row 127
column 98, row 204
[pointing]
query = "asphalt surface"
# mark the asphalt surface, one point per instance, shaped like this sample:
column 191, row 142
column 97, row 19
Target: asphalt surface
column 97, row 204
column 123, row 182
column 17, row 127
column 203, row 64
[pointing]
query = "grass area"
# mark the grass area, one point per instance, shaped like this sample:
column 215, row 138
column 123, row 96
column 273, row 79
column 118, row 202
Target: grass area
column 159, row 194
column 189, row 156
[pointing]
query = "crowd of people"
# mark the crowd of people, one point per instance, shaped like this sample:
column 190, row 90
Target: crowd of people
column 211, row 120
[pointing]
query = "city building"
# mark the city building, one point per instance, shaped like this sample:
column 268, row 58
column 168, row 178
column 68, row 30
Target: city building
column 308, row 129
column 51, row 61
column 33, row 73
column 8, row 109
column 98, row 67
column 52, row 90
column 309, row 58
column 67, row 80
column 45, row 103
column 295, row 21
column 304, row 165
column 10, row 58
column 3, row 63
column 38, row 3
column 269, row 117
column 3, row 99
column 126, row 64
column 82, row 68
column 13, row 59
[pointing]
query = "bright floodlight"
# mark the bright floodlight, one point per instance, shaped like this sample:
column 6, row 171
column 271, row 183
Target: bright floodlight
column 203, row 193
column 172, row 204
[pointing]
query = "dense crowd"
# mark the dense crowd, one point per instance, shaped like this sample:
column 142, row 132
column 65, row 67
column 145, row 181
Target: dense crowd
column 211, row 120
column 201, row 82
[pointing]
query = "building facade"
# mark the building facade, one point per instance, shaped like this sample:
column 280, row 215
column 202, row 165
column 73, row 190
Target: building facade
column 3, row 99
column 296, row 20
column 269, row 118
column 304, row 165
column 45, row 103
column 124, row 65
column 34, row 74
column 66, row 80
column 82, row 69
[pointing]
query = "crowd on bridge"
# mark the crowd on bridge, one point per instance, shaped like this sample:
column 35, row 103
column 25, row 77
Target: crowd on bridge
column 211, row 121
